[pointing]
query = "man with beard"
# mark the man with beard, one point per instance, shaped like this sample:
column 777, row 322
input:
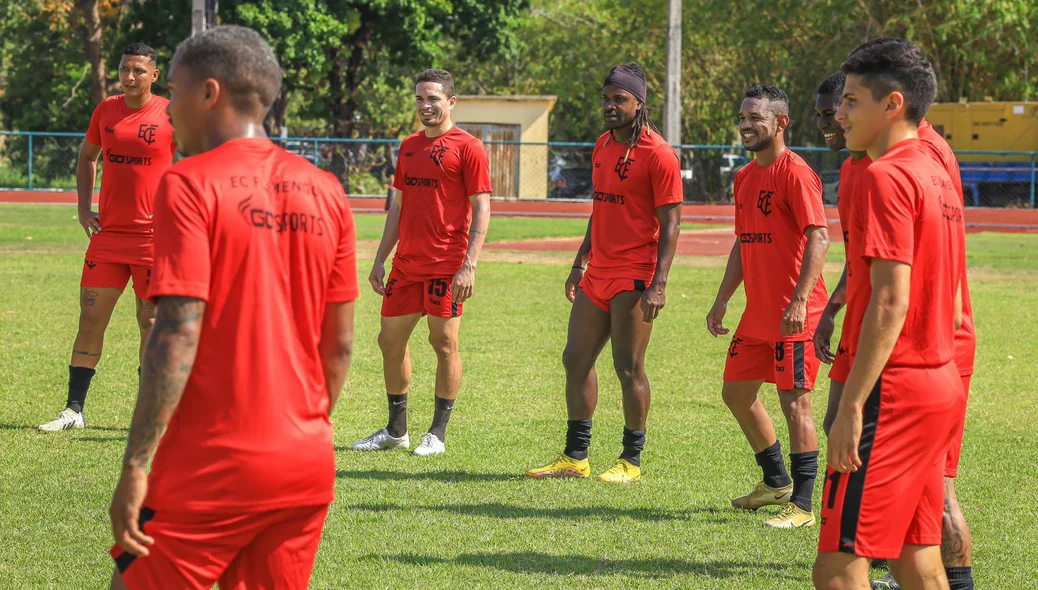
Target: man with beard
column 779, row 254
column 628, row 249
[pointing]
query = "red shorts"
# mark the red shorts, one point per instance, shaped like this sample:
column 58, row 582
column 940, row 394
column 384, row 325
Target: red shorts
column 428, row 296
column 601, row 291
column 111, row 275
column 789, row 365
column 896, row 497
column 274, row 549
column 951, row 462
column 841, row 365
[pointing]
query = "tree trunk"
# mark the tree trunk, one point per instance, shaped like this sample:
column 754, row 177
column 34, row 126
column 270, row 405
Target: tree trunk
column 89, row 28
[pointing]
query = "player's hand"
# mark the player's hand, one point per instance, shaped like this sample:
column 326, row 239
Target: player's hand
column 125, row 511
column 653, row 300
column 823, row 338
column 715, row 317
column 794, row 318
column 573, row 282
column 844, row 438
column 90, row 221
column 464, row 283
column 377, row 278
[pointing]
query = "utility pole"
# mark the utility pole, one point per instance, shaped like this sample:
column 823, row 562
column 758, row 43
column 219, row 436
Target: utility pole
column 203, row 15
column 672, row 95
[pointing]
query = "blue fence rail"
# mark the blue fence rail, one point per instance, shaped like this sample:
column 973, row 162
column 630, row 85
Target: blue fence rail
column 555, row 170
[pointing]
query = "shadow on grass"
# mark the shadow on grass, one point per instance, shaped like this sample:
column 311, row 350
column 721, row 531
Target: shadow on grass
column 582, row 565
column 100, row 439
column 509, row 511
column 32, row 427
column 445, row 476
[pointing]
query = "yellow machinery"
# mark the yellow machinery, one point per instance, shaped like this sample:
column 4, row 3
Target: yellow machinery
column 989, row 126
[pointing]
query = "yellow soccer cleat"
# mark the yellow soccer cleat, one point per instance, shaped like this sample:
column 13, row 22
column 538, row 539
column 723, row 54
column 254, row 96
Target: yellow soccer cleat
column 564, row 466
column 623, row 472
column 791, row 517
column 764, row 495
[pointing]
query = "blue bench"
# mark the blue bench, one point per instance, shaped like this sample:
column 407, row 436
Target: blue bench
column 974, row 173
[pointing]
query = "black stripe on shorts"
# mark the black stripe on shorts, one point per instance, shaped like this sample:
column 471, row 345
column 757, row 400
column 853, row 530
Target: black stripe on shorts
column 799, row 374
column 454, row 309
column 856, row 479
column 125, row 559
column 639, row 285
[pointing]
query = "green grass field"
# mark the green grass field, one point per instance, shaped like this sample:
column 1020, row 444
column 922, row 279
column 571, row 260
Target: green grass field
column 468, row 519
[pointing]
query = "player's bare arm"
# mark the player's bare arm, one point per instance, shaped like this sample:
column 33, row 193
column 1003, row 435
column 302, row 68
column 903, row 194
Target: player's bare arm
column 795, row 316
column 576, row 274
column 827, row 323
column 884, row 318
column 86, row 174
column 464, row 281
column 390, row 237
column 729, row 284
column 958, row 306
column 168, row 359
column 655, row 296
column 336, row 348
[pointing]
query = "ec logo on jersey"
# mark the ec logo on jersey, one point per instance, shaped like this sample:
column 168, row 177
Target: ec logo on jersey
column 147, row 133
column 437, row 154
column 623, row 165
column 764, row 202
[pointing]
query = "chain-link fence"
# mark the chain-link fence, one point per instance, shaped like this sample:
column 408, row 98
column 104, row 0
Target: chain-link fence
column 38, row 161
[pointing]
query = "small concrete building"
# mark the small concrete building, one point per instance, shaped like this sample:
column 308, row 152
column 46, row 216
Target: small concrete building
column 516, row 171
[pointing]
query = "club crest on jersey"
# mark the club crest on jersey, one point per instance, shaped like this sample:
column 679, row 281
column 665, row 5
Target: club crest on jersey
column 437, row 154
column 623, row 166
column 147, row 133
column 764, row 202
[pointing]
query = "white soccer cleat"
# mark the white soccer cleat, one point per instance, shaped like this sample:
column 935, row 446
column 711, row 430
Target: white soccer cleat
column 430, row 445
column 381, row 441
column 66, row 420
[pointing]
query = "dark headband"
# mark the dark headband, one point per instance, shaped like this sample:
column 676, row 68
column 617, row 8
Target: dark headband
column 629, row 79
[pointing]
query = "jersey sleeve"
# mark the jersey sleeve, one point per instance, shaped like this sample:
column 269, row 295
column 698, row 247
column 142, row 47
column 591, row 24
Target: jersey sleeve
column 888, row 216
column 804, row 191
column 477, row 169
column 182, row 248
column 93, row 134
column 665, row 175
column 342, row 283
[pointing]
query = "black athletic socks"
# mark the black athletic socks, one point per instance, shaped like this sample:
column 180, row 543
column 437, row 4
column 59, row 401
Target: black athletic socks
column 770, row 461
column 634, row 442
column 805, row 469
column 397, row 425
column 78, row 384
column 441, row 415
column 578, row 438
column 960, row 578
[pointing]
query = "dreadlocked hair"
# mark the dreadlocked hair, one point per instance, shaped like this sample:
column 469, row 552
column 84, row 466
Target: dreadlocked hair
column 641, row 122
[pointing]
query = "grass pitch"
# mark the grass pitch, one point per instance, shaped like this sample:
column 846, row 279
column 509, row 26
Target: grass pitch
column 469, row 518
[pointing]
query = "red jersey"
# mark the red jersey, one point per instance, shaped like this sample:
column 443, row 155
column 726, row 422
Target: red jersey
column 911, row 214
column 774, row 205
column 436, row 178
column 849, row 197
column 625, row 231
column 137, row 148
column 966, row 335
column 267, row 240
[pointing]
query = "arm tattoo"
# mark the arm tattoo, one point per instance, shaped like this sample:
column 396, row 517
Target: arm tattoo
column 168, row 359
column 476, row 232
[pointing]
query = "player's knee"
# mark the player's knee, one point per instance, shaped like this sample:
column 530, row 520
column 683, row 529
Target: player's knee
column 736, row 401
column 92, row 321
column 822, row 577
column 444, row 345
column 796, row 404
column 390, row 343
column 628, row 369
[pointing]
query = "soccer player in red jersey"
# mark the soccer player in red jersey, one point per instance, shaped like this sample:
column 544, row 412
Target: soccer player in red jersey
column 628, row 249
column 254, row 282
column 828, row 99
column 437, row 222
column 779, row 254
column 134, row 132
column 884, row 489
